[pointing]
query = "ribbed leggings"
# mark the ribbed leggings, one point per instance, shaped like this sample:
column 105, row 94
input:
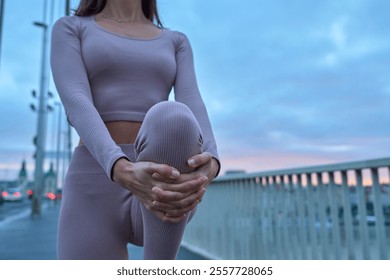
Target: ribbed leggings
column 99, row 218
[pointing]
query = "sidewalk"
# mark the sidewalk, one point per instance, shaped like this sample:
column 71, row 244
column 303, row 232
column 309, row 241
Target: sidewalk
column 26, row 238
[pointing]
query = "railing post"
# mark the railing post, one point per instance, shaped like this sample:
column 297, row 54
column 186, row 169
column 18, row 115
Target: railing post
column 221, row 241
column 332, row 192
column 238, row 223
column 229, row 227
column 277, row 219
column 347, row 216
column 265, row 219
column 379, row 223
column 270, row 219
column 322, row 200
column 248, row 219
column 214, row 236
column 225, row 222
column 292, row 216
column 311, row 217
column 362, row 212
column 302, row 217
column 284, row 220
column 235, row 221
column 255, row 220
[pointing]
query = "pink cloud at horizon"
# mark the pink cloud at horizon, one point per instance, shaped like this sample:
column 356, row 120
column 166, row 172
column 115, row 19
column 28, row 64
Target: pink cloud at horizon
column 275, row 161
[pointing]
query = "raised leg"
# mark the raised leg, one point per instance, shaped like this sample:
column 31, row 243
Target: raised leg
column 170, row 134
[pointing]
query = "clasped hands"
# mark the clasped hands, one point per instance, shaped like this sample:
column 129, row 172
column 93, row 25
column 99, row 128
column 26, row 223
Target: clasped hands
column 162, row 189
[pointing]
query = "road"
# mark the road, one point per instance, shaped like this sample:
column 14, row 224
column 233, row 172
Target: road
column 11, row 212
column 12, row 209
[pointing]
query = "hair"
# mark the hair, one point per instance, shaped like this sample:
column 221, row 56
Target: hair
column 93, row 7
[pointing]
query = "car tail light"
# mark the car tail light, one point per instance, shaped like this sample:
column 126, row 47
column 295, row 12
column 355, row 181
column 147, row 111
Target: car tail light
column 4, row 194
column 51, row 196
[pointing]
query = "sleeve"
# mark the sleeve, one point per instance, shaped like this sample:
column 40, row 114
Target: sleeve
column 187, row 92
column 71, row 80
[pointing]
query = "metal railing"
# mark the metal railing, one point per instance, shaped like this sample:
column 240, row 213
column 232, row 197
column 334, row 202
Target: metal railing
column 338, row 211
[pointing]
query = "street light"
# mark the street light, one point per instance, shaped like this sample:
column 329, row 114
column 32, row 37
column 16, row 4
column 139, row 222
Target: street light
column 41, row 129
column 40, row 24
column 2, row 2
column 58, row 150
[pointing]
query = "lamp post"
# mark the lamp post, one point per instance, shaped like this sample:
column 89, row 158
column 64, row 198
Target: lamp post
column 41, row 130
column 58, row 150
column 67, row 7
column 1, row 23
column 69, row 150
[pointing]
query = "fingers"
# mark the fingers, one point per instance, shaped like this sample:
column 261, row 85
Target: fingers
column 181, row 179
column 170, row 195
column 170, row 179
column 174, row 192
column 180, row 208
column 163, row 171
column 167, row 174
column 163, row 216
column 168, row 218
column 176, row 211
column 181, row 212
column 180, row 204
column 199, row 160
column 175, row 215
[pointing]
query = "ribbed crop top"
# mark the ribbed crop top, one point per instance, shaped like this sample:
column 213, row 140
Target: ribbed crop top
column 101, row 76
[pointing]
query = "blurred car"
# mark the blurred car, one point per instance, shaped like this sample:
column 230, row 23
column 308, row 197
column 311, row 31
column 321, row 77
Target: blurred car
column 1, row 197
column 30, row 193
column 13, row 194
column 50, row 196
column 47, row 195
column 53, row 195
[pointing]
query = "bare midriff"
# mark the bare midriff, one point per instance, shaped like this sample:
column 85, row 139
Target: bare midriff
column 122, row 132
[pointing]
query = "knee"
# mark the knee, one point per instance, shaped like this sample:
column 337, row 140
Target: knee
column 173, row 114
column 169, row 134
column 169, row 109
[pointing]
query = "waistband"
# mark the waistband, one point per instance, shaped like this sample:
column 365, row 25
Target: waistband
column 83, row 161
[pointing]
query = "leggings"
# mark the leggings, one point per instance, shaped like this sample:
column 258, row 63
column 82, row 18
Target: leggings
column 98, row 218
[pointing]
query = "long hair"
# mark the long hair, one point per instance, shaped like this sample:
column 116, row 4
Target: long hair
column 93, row 7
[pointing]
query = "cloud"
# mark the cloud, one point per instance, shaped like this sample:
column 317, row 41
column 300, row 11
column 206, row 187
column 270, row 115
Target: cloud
column 338, row 34
column 293, row 78
column 7, row 81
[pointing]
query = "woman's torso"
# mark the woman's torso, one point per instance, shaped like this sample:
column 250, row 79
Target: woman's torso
column 127, row 75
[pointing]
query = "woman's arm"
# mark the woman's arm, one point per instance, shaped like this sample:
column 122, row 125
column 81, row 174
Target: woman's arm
column 187, row 92
column 207, row 164
column 71, row 80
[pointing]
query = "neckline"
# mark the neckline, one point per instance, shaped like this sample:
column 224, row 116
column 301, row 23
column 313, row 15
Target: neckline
column 124, row 36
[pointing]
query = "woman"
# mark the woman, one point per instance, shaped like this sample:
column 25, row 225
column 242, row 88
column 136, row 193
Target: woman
column 114, row 65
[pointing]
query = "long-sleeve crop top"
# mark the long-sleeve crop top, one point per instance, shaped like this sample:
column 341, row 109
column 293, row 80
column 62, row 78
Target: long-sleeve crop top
column 101, row 76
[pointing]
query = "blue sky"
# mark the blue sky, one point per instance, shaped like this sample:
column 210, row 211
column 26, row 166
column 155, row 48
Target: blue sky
column 287, row 83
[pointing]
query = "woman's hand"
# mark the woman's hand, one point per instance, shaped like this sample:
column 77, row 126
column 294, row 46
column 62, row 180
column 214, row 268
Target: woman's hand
column 137, row 178
column 182, row 201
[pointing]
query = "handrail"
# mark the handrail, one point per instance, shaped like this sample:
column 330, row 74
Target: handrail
column 295, row 214
column 356, row 165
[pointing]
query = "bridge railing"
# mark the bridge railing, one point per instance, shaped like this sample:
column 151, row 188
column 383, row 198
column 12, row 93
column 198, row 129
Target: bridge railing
column 338, row 211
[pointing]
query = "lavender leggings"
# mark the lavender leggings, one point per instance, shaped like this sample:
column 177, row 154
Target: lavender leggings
column 99, row 218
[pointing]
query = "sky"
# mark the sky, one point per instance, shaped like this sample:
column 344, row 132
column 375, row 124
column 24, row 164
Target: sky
column 287, row 83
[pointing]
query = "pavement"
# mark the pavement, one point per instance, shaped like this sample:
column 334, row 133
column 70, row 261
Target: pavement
column 23, row 237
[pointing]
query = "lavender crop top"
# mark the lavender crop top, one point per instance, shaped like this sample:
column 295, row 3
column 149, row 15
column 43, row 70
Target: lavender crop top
column 101, row 76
